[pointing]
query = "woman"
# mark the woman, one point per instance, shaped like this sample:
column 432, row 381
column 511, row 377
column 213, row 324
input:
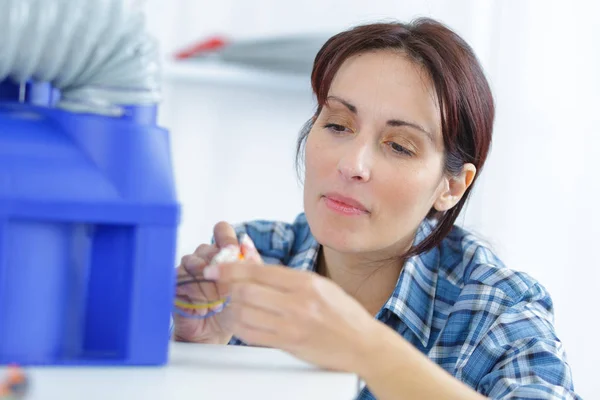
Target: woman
column 373, row 277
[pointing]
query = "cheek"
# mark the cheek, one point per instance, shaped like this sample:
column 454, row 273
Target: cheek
column 410, row 192
column 317, row 163
column 309, row 155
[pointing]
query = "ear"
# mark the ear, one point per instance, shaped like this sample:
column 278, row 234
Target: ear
column 454, row 188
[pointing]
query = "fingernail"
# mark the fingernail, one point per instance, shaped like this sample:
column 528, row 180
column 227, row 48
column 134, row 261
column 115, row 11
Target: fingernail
column 247, row 241
column 211, row 272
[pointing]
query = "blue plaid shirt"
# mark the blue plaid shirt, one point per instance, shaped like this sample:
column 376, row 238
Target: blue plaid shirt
column 489, row 326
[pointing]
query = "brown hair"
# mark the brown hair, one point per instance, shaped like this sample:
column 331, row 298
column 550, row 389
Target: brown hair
column 465, row 100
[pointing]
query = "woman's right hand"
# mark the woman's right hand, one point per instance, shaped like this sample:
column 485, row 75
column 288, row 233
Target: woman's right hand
column 216, row 329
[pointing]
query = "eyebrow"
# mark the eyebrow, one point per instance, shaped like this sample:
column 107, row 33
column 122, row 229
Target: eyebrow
column 391, row 122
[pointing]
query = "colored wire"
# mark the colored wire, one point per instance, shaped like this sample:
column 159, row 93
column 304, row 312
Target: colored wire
column 207, row 315
column 179, row 304
column 193, row 280
column 199, row 306
column 191, row 306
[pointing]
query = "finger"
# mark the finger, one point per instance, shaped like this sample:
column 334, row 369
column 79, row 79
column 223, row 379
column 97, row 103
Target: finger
column 191, row 267
column 249, row 249
column 194, row 290
column 278, row 277
column 225, row 235
column 256, row 318
column 257, row 337
column 192, row 262
column 257, row 327
column 206, row 251
column 191, row 286
column 263, row 297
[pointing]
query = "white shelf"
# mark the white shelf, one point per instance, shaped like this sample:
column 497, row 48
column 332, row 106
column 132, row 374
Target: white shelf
column 217, row 72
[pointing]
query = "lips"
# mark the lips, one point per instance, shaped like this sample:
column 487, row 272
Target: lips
column 345, row 204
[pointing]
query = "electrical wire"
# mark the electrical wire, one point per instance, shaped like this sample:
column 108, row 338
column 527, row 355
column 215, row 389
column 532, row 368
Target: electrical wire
column 207, row 315
column 182, row 307
column 199, row 306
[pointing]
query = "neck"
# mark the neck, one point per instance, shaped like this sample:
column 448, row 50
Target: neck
column 369, row 278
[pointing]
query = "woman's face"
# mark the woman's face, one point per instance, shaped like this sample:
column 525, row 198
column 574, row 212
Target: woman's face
column 374, row 157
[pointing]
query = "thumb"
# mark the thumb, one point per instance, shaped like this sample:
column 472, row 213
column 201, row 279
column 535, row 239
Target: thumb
column 249, row 249
column 224, row 235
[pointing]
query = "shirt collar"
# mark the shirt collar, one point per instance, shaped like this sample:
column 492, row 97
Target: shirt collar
column 413, row 298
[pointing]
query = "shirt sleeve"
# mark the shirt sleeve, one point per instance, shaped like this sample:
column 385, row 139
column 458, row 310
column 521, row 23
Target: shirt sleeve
column 522, row 355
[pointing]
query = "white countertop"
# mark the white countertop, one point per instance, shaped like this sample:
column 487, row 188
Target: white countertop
column 197, row 372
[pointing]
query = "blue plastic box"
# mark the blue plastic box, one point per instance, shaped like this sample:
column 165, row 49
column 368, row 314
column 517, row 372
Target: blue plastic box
column 88, row 221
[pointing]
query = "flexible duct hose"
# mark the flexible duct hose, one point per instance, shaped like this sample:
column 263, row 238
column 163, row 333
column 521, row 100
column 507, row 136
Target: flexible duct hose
column 96, row 52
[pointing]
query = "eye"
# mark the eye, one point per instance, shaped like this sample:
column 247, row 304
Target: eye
column 335, row 128
column 396, row 148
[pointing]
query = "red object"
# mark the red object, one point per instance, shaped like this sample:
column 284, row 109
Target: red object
column 205, row 46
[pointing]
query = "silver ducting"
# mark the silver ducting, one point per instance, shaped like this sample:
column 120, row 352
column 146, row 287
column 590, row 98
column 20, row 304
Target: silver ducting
column 96, row 52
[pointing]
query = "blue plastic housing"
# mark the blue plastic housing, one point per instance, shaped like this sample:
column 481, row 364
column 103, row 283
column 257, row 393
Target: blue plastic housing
column 88, row 222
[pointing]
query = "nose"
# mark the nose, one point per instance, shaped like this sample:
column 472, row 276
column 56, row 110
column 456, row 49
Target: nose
column 356, row 161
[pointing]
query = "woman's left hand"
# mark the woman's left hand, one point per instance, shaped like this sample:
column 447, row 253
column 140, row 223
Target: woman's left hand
column 297, row 311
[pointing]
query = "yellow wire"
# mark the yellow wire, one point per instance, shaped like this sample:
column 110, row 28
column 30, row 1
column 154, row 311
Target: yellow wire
column 191, row 306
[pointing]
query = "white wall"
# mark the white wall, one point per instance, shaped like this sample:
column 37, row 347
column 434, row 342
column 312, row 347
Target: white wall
column 233, row 146
column 538, row 199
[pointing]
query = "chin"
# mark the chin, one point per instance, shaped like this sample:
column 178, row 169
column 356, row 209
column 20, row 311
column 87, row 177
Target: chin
column 340, row 233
